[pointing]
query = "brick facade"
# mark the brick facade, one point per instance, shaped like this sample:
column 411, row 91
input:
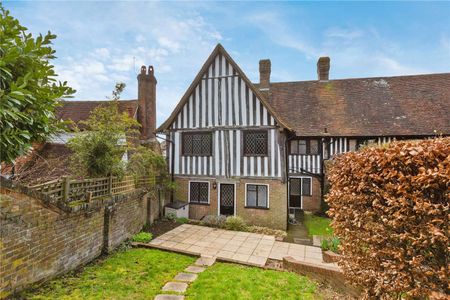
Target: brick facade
column 275, row 216
column 39, row 241
column 313, row 203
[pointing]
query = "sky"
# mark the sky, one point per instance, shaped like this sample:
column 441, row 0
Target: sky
column 101, row 43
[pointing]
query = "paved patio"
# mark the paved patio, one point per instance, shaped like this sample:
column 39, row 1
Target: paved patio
column 235, row 246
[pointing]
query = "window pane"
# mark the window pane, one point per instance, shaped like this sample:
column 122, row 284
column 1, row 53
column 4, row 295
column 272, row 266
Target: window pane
column 251, row 195
column 314, row 147
column 255, row 143
column 294, row 147
column 262, row 196
column 203, row 193
column 306, row 186
column 199, row 192
column 206, row 144
column 197, row 144
column 352, row 145
column 187, row 144
column 302, row 146
column 295, row 186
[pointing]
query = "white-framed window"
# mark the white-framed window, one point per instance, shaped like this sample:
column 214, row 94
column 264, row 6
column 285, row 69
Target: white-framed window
column 199, row 192
column 256, row 195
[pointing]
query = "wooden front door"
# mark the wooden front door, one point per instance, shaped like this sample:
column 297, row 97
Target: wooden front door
column 295, row 193
column 226, row 199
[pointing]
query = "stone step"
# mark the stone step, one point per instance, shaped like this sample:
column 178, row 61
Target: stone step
column 205, row 261
column 169, row 297
column 186, row 277
column 178, row 287
column 194, row 269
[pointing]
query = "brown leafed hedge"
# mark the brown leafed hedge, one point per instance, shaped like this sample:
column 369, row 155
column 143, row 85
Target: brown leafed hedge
column 390, row 207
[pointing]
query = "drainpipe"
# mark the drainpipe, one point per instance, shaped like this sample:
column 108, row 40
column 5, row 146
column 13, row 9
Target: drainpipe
column 289, row 138
column 172, row 165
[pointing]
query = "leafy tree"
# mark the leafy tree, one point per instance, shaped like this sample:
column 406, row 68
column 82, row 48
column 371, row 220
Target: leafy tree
column 29, row 91
column 107, row 135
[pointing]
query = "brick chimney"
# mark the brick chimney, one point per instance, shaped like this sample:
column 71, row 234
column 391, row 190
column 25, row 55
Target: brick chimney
column 147, row 104
column 264, row 74
column 323, row 68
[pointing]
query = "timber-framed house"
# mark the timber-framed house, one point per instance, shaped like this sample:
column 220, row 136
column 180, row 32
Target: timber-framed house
column 257, row 150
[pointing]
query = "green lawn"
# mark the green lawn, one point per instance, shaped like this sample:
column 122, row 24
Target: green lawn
column 317, row 225
column 132, row 274
column 141, row 273
column 231, row 281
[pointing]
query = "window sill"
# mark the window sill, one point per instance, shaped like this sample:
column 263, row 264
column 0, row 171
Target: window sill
column 192, row 155
column 256, row 207
column 256, row 155
column 199, row 203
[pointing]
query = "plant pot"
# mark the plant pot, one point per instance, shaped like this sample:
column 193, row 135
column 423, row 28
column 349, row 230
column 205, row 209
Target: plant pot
column 330, row 257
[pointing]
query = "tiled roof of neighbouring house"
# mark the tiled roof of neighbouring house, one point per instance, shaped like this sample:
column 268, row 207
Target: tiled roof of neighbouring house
column 402, row 105
column 80, row 110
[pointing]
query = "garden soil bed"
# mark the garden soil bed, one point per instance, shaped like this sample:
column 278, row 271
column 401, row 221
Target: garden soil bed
column 159, row 227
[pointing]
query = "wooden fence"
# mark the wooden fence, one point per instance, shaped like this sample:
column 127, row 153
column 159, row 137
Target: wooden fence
column 71, row 190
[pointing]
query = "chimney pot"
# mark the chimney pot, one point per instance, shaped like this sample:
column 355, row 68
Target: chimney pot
column 264, row 74
column 323, row 68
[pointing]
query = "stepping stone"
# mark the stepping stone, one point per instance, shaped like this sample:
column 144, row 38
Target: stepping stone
column 169, row 297
column 186, row 277
column 194, row 269
column 178, row 287
column 205, row 261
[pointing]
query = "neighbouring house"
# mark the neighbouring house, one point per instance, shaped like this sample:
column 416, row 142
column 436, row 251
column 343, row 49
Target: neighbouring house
column 257, row 150
column 46, row 161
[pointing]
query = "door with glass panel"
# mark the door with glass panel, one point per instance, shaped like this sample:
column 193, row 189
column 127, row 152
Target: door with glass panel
column 226, row 199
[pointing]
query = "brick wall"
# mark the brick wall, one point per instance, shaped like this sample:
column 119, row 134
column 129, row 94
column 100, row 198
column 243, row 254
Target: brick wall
column 274, row 217
column 40, row 241
column 312, row 203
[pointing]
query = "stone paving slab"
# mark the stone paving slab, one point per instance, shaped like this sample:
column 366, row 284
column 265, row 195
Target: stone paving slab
column 194, row 269
column 234, row 246
column 205, row 261
column 178, row 287
column 169, row 297
column 185, row 277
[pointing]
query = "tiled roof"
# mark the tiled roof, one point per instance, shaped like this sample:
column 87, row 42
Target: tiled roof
column 80, row 110
column 402, row 105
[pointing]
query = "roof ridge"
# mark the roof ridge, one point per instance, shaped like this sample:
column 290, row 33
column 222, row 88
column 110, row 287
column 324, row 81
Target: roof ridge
column 93, row 101
column 361, row 78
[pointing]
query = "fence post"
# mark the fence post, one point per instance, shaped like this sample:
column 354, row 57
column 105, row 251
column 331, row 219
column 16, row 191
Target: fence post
column 110, row 184
column 66, row 188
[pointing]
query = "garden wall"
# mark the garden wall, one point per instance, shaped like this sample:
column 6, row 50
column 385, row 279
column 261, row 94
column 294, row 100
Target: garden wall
column 40, row 240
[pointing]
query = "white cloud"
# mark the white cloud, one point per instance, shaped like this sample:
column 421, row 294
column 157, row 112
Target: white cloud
column 358, row 52
column 344, row 33
column 272, row 25
column 175, row 41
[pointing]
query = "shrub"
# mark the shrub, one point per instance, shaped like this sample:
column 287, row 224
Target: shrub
column 331, row 244
column 214, row 221
column 142, row 237
column 182, row 220
column 268, row 231
column 102, row 140
column 29, row 89
column 390, row 208
column 235, row 223
column 171, row 216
